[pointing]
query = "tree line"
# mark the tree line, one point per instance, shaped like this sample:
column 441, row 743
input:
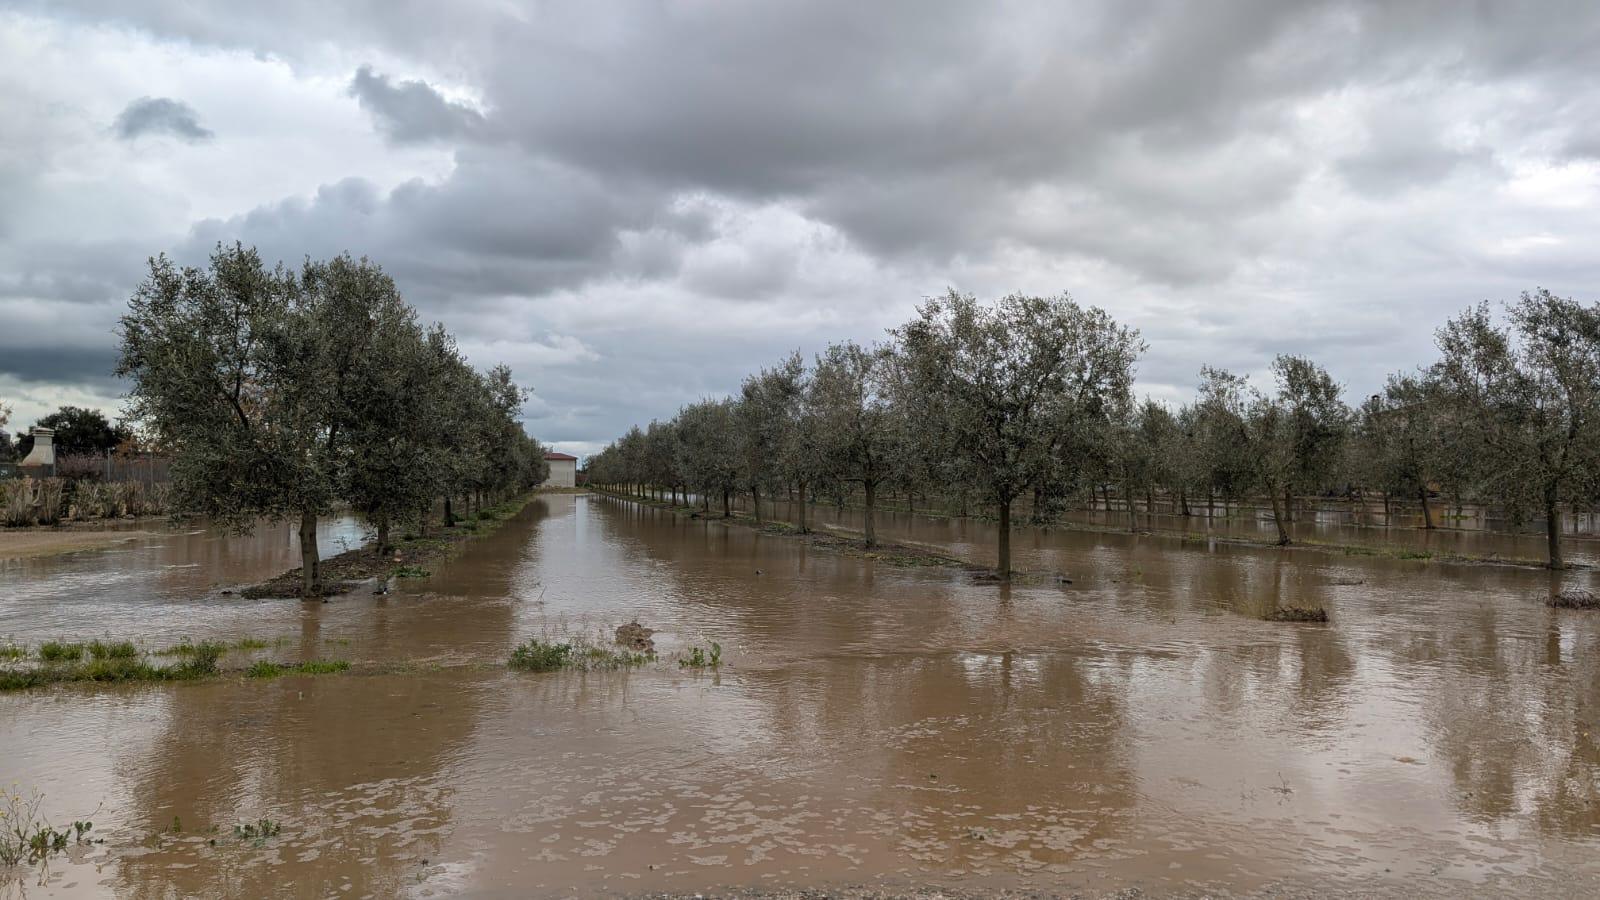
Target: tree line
column 1032, row 397
column 287, row 393
column 78, row 432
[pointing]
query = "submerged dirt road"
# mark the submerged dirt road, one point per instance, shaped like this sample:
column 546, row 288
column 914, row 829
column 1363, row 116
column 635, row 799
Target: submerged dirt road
column 874, row 726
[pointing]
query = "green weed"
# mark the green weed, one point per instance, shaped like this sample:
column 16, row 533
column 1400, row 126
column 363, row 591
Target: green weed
column 538, row 656
column 580, row 653
column 115, row 650
column 257, row 831
column 21, row 679
column 409, row 572
column 700, row 659
column 26, row 837
column 56, row 651
column 266, row 668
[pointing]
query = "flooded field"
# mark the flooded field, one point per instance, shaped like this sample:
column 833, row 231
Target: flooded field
column 872, row 725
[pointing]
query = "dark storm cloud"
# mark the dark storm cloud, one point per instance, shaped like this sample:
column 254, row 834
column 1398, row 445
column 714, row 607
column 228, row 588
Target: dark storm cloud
column 412, row 111
column 646, row 201
column 501, row 223
column 77, row 365
column 160, row 116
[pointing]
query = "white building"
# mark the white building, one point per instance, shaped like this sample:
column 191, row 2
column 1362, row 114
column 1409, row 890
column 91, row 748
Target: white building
column 563, row 470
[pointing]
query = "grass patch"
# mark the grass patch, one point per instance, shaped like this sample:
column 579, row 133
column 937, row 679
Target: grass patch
column 189, row 648
column 113, row 650
column 21, row 679
column 1574, row 599
column 56, row 651
column 9, row 651
column 409, row 572
column 1297, row 614
column 266, row 668
column 112, row 668
column 582, row 654
column 1414, row 554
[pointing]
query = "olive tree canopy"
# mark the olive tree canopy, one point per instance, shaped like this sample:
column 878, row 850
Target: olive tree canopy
column 1013, row 383
column 1527, row 394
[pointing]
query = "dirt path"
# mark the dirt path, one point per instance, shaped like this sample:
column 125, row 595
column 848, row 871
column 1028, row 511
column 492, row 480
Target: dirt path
column 21, row 544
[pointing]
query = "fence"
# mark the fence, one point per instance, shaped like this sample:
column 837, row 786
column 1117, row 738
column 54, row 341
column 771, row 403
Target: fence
column 116, row 467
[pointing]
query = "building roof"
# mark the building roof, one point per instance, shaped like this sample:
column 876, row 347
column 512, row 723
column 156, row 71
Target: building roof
column 554, row 455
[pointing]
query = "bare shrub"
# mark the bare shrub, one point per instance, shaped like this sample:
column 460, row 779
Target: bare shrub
column 18, row 497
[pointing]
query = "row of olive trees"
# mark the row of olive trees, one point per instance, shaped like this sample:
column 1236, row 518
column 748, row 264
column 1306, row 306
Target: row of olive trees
column 1509, row 416
column 1032, row 396
column 997, row 399
column 285, row 394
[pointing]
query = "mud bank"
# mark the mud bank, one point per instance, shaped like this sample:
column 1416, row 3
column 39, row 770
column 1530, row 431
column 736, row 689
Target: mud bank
column 22, row 543
column 411, row 558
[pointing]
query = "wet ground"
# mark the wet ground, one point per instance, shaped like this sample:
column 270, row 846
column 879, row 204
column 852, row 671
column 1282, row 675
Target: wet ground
column 874, row 726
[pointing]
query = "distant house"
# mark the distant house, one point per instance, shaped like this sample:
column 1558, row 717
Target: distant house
column 563, row 470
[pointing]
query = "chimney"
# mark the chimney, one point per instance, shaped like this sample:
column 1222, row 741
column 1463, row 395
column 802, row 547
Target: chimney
column 43, row 454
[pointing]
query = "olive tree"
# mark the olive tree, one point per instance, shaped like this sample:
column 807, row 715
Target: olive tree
column 1527, row 395
column 1316, row 427
column 763, row 415
column 246, row 372
column 1400, row 444
column 1013, row 382
column 705, row 439
column 859, row 433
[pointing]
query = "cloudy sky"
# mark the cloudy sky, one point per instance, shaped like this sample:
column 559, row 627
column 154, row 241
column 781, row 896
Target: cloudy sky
column 635, row 204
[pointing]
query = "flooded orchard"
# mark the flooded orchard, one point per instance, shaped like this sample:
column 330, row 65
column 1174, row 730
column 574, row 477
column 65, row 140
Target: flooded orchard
column 1135, row 726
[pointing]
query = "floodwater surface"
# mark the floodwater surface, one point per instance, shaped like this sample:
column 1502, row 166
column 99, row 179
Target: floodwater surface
column 1138, row 726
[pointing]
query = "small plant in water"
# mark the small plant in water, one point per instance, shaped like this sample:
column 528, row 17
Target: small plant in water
column 579, row 653
column 9, row 651
column 25, row 835
column 258, row 831
column 700, row 659
column 410, row 572
column 538, row 656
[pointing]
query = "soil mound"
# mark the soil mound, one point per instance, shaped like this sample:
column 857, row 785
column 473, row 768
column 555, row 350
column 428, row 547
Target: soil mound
column 636, row 637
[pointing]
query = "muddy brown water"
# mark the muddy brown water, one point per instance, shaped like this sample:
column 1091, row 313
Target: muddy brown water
column 873, row 725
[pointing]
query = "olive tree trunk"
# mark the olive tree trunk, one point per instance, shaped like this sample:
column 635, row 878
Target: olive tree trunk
column 871, row 488
column 383, row 535
column 1277, row 517
column 1004, row 566
column 1552, row 525
column 1427, row 511
column 310, row 565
